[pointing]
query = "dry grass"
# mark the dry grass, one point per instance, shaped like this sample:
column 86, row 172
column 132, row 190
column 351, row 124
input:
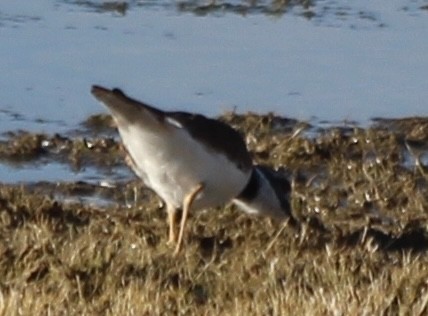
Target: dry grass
column 362, row 250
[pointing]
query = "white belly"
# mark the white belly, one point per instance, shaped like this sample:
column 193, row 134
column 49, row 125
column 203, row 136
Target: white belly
column 173, row 164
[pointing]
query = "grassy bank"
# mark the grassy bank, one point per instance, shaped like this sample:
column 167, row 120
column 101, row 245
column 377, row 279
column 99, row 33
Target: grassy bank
column 360, row 192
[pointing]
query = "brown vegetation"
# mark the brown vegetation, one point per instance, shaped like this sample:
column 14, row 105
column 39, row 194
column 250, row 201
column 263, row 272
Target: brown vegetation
column 360, row 192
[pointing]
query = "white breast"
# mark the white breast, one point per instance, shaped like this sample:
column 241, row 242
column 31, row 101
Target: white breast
column 174, row 164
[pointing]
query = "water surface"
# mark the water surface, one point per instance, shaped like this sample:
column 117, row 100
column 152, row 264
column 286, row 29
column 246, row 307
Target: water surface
column 332, row 61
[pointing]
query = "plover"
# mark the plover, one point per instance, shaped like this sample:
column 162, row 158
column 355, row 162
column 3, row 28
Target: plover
column 190, row 161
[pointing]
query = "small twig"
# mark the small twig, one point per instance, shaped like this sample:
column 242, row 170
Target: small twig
column 276, row 237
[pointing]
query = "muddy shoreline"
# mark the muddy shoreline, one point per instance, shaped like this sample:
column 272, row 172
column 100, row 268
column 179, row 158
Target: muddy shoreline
column 360, row 192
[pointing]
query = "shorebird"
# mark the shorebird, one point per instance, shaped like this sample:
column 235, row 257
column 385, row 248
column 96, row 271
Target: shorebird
column 190, row 161
column 193, row 162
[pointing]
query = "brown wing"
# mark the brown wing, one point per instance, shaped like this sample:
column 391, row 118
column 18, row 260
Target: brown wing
column 215, row 134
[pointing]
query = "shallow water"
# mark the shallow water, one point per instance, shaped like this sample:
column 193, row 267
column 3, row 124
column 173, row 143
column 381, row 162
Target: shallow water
column 352, row 60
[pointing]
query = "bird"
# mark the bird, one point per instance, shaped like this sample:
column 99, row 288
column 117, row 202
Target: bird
column 190, row 161
column 267, row 194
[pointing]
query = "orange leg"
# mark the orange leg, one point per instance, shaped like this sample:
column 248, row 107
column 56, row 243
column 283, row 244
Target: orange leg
column 172, row 214
column 187, row 204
